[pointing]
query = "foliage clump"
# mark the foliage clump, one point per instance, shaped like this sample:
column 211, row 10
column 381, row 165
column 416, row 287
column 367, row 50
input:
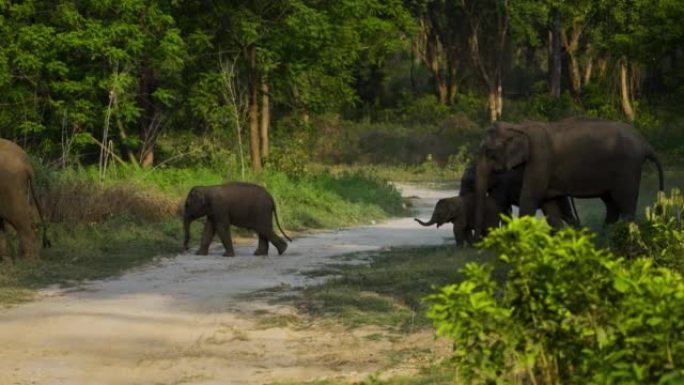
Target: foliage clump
column 660, row 236
column 568, row 313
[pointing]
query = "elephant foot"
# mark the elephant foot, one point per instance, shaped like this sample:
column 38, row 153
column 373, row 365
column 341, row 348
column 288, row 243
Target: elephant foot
column 202, row 252
column 229, row 254
column 282, row 249
column 261, row 252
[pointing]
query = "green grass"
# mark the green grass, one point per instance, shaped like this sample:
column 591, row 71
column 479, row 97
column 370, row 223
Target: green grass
column 388, row 290
column 104, row 236
column 85, row 252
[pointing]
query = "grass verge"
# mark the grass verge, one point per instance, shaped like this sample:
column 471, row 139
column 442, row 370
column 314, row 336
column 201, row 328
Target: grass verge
column 387, row 291
column 100, row 229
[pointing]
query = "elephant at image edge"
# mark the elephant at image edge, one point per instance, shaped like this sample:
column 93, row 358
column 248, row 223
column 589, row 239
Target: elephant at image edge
column 16, row 193
column 577, row 157
column 460, row 211
column 240, row 204
column 504, row 187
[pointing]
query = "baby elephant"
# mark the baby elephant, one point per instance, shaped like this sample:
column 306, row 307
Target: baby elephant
column 460, row 210
column 241, row 204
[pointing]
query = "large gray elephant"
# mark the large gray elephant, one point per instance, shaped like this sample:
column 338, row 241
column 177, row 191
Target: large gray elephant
column 504, row 187
column 577, row 157
column 460, row 211
column 16, row 194
column 241, row 204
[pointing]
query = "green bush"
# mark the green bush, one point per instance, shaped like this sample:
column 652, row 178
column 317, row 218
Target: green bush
column 568, row 313
column 660, row 236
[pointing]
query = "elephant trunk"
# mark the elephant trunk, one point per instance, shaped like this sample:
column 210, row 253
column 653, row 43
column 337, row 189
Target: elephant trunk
column 482, row 174
column 426, row 224
column 186, row 231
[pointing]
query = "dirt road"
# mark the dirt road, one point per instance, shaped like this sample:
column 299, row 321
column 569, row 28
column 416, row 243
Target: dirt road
column 186, row 320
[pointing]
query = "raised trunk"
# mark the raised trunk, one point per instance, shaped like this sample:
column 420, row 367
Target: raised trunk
column 624, row 90
column 482, row 170
column 186, row 232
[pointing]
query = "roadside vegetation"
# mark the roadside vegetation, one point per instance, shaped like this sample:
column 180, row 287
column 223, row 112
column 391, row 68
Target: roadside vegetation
column 99, row 229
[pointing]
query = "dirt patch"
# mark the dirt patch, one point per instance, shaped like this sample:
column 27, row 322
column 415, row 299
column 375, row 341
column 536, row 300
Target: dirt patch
column 188, row 320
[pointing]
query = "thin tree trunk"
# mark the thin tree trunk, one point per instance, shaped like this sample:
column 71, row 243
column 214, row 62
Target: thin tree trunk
column 571, row 44
column 265, row 118
column 624, row 90
column 253, row 110
column 588, row 70
column 555, row 55
column 150, row 118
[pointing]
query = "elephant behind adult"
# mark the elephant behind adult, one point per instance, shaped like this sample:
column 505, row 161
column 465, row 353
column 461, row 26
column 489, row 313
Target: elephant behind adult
column 241, row 204
column 460, row 211
column 577, row 157
column 16, row 193
column 504, row 187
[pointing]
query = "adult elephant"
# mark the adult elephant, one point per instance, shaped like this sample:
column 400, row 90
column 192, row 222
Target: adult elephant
column 16, row 193
column 241, row 204
column 504, row 187
column 577, row 157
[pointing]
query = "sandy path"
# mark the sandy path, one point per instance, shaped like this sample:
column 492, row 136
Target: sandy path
column 186, row 320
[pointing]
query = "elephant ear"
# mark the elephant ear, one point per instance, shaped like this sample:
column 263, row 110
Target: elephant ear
column 516, row 148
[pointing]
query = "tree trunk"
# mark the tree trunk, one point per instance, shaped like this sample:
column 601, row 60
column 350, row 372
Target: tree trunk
column 429, row 49
column 588, row 70
column 253, row 109
column 555, row 55
column 571, row 44
column 265, row 118
column 624, row 90
column 150, row 117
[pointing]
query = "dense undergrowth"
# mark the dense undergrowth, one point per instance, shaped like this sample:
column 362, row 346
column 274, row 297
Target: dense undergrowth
column 568, row 311
column 101, row 228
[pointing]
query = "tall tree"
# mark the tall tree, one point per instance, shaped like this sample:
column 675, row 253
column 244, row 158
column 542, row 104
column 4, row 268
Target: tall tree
column 488, row 22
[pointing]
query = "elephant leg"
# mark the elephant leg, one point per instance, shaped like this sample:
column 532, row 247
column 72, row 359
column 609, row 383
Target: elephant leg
column 566, row 211
column 26, row 241
column 278, row 242
column 262, row 248
column 626, row 197
column 207, row 236
column 612, row 210
column 552, row 212
column 470, row 237
column 223, row 230
column 5, row 248
column 459, row 236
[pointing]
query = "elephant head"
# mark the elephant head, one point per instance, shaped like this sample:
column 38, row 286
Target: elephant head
column 196, row 206
column 446, row 210
column 504, row 147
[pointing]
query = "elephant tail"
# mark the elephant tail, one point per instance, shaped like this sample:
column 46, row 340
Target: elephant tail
column 275, row 213
column 661, row 179
column 46, row 241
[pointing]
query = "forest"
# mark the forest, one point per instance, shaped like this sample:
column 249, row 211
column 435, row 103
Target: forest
column 356, row 116
column 146, row 81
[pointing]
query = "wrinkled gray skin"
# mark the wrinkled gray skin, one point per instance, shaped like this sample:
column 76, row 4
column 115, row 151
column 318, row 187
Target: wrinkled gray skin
column 577, row 157
column 460, row 211
column 240, row 204
column 504, row 187
column 16, row 195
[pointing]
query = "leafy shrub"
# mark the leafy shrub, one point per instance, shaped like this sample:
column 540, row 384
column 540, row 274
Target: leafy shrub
column 568, row 312
column 660, row 237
